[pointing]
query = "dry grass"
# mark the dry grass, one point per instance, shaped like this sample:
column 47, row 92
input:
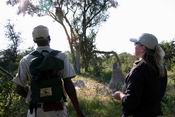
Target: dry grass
column 171, row 84
column 96, row 101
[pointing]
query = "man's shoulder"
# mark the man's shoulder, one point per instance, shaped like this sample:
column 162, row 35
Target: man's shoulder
column 52, row 50
column 27, row 57
column 56, row 51
column 59, row 54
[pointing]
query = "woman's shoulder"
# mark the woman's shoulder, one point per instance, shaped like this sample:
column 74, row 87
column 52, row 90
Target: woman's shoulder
column 141, row 64
column 137, row 68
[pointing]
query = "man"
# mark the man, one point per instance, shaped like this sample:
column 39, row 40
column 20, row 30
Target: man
column 42, row 38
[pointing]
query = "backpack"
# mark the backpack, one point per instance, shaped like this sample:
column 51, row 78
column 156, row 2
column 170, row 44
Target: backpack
column 46, row 81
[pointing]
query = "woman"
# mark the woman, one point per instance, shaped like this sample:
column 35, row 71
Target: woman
column 146, row 83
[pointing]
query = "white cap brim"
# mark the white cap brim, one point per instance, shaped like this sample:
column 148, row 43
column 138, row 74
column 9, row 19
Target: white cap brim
column 133, row 40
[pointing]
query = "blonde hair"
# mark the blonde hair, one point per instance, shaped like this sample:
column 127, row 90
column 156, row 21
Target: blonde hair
column 155, row 59
column 159, row 58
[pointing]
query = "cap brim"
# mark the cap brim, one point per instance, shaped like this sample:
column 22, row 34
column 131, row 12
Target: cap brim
column 133, row 40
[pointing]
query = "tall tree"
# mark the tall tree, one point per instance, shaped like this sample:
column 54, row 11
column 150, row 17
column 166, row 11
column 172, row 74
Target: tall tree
column 8, row 62
column 80, row 20
column 9, row 56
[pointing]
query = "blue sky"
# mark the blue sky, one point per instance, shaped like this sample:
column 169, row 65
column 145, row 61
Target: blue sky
column 128, row 20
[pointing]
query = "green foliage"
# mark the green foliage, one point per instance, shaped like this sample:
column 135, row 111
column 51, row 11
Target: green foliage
column 169, row 48
column 168, row 105
column 97, row 108
column 9, row 102
column 127, row 61
column 9, row 56
column 95, row 99
column 168, row 102
column 96, row 105
column 96, row 66
column 102, row 65
column 11, row 105
column 173, row 67
column 91, row 101
column 87, row 46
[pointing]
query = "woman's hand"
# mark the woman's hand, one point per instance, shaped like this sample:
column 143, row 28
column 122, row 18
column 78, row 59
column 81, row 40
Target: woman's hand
column 118, row 95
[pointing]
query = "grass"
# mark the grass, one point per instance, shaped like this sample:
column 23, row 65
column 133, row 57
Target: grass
column 96, row 101
column 171, row 83
column 169, row 98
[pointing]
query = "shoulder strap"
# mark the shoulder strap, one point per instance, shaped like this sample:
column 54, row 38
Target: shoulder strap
column 48, row 61
column 36, row 53
column 54, row 52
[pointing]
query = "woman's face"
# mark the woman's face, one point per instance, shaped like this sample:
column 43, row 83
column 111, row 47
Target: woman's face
column 139, row 50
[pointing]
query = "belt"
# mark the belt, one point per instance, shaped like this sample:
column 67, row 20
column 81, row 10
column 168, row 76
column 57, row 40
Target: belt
column 51, row 106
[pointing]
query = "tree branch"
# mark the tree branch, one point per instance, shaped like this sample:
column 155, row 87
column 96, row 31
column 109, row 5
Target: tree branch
column 109, row 52
column 6, row 72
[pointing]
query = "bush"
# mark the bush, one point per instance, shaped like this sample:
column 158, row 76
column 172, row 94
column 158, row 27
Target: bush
column 168, row 105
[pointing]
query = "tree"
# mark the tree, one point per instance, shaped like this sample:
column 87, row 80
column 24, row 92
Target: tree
column 80, row 20
column 169, row 48
column 8, row 62
column 127, row 61
column 117, row 78
column 9, row 56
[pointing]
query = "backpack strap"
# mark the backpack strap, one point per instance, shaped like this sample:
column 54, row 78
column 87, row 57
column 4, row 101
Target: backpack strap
column 43, row 61
column 54, row 52
column 38, row 54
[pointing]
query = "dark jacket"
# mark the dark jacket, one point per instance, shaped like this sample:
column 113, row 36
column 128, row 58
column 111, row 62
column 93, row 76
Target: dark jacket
column 144, row 92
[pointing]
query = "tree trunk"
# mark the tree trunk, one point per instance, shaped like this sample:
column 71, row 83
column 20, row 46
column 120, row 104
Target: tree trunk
column 117, row 79
column 77, row 61
column 71, row 46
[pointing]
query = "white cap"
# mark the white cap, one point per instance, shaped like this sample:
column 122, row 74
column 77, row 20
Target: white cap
column 40, row 33
column 146, row 39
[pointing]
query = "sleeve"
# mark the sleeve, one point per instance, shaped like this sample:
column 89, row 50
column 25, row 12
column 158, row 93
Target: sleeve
column 23, row 74
column 69, row 71
column 133, row 91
